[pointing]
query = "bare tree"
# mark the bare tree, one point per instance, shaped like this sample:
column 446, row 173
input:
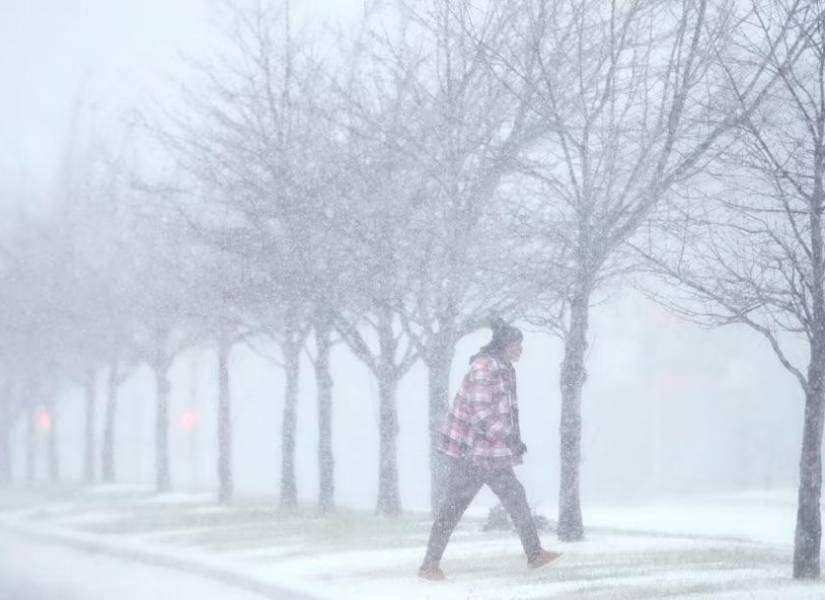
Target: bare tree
column 161, row 302
column 372, row 215
column 13, row 401
column 8, row 417
column 118, row 322
column 464, row 130
column 753, row 254
column 91, row 220
column 635, row 94
column 36, row 325
column 250, row 145
column 226, row 300
column 117, row 371
column 324, row 382
column 373, row 331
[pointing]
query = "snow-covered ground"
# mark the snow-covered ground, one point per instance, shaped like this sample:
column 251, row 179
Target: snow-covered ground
column 767, row 517
column 34, row 570
column 722, row 546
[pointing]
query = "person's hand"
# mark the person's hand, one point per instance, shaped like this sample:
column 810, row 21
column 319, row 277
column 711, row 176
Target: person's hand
column 516, row 445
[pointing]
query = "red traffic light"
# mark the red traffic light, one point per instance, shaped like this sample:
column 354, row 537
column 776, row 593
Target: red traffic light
column 44, row 420
column 188, row 420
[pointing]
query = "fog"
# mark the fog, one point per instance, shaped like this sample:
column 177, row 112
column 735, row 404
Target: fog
column 188, row 182
column 671, row 409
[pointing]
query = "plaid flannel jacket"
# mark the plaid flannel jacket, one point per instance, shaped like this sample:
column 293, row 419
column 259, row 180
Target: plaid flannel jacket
column 480, row 425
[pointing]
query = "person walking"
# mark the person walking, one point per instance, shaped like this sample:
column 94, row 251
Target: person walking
column 482, row 442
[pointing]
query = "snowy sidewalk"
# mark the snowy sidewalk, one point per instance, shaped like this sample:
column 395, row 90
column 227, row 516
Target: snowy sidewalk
column 355, row 555
column 37, row 570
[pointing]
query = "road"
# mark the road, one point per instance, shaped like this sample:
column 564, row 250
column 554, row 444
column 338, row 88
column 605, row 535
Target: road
column 34, row 570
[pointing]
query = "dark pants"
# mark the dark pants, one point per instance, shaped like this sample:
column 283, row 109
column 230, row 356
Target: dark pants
column 464, row 482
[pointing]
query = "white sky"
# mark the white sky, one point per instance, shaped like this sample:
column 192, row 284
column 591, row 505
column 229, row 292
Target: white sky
column 107, row 52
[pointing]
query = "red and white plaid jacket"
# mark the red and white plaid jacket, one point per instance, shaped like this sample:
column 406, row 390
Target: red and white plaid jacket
column 480, row 424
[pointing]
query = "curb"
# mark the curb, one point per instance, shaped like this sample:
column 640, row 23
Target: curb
column 160, row 559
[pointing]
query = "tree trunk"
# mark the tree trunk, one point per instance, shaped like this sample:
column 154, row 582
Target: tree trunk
column 31, row 445
column 5, row 454
column 5, row 440
column 51, row 442
column 439, row 364
column 808, row 534
column 91, row 402
column 225, row 487
column 389, row 498
column 570, row 527
column 326, row 461
column 163, row 482
column 289, row 488
column 107, row 461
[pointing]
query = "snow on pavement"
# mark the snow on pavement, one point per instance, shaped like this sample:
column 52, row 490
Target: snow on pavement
column 704, row 548
column 39, row 571
column 767, row 517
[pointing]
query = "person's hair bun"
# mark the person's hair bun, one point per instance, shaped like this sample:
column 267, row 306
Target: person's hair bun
column 497, row 324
